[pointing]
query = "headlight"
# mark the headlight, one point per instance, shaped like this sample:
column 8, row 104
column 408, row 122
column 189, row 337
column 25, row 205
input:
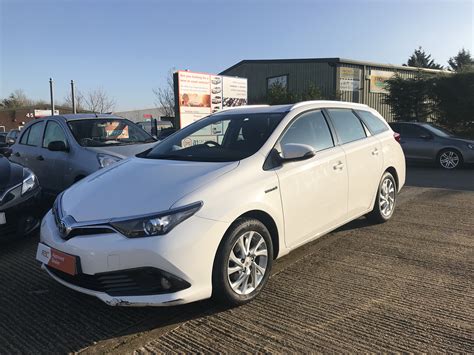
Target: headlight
column 105, row 160
column 30, row 182
column 158, row 224
column 470, row 145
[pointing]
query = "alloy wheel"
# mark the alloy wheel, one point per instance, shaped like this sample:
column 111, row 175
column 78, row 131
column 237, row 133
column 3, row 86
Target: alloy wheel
column 387, row 197
column 247, row 263
column 449, row 159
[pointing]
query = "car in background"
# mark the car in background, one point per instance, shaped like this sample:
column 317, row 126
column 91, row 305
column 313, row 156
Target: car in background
column 19, row 200
column 163, row 128
column 3, row 138
column 12, row 136
column 425, row 142
column 229, row 202
column 62, row 150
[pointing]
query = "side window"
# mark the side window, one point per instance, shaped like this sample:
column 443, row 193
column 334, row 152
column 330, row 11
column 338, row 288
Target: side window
column 35, row 135
column 397, row 127
column 24, row 137
column 414, row 131
column 347, row 125
column 312, row 129
column 374, row 123
column 53, row 132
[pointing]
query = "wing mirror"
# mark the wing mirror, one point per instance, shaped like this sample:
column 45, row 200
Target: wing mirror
column 10, row 141
column 296, row 152
column 57, row 146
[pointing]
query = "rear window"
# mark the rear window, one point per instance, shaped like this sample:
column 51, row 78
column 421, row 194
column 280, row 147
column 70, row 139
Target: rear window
column 348, row 126
column 374, row 123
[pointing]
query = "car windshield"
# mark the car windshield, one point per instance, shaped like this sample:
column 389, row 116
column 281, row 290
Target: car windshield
column 218, row 138
column 105, row 132
column 439, row 131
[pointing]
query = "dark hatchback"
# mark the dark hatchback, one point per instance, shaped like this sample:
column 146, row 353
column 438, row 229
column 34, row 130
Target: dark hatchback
column 19, row 200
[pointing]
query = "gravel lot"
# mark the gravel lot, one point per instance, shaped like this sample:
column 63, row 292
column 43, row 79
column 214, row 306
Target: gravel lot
column 406, row 285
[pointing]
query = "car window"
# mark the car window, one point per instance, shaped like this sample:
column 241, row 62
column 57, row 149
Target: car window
column 310, row 128
column 35, row 135
column 347, row 125
column 397, row 127
column 53, row 133
column 414, row 131
column 374, row 123
column 24, row 137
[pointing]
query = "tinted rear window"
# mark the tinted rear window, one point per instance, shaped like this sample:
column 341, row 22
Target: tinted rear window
column 374, row 123
column 347, row 125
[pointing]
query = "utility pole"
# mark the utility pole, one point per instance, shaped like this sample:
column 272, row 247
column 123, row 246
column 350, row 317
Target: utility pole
column 73, row 98
column 51, row 91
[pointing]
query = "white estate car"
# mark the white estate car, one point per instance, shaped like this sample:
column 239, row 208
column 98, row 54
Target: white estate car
column 206, row 211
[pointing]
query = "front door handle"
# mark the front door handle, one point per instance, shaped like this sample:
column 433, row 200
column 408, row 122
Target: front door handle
column 40, row 157
column 338, row 166
column 17, row 154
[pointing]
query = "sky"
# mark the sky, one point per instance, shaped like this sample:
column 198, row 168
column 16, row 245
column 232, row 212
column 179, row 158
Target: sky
column 127, row 47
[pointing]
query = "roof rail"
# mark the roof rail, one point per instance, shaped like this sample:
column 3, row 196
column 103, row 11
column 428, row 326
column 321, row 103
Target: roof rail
column 240, row 107
column 304, row 103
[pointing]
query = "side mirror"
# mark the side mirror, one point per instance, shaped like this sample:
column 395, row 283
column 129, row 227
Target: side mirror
column 10, row 141
column 57, row 146
column 296, row 152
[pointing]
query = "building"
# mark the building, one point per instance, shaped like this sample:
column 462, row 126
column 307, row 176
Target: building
column 141, row 115
column 337, row 78
column 17, row 118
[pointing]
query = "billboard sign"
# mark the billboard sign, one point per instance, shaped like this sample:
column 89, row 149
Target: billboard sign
column 378, row 79
column 200, row 94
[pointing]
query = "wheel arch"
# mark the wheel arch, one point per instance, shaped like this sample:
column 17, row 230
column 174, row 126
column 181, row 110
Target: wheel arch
column 394, row 173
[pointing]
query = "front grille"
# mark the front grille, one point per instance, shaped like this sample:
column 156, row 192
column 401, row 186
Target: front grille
column 133, row 282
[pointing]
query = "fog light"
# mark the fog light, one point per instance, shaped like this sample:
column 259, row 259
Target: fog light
column 165, row 283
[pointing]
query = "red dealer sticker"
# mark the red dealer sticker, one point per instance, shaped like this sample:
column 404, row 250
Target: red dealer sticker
column 57, row 259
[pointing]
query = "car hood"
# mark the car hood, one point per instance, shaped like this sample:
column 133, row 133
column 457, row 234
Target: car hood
column 123, row 151
column 138, row 186
column 10, row 174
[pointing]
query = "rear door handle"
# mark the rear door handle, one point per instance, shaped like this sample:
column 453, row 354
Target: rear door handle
column 39, row 157
column 338, row 166
column 17, row 154
column 375, row 152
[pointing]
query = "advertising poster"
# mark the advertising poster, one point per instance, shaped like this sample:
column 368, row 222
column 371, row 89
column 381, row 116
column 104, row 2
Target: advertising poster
column 349, row 79
column 234, row 91
column 377, row 80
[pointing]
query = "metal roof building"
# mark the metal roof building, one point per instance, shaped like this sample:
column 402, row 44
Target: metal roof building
column 337, row 78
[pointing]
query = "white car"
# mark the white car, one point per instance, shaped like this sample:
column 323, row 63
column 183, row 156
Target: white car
column 183, row 222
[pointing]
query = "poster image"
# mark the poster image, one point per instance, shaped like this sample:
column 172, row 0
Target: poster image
column 378, row 79
column 349, row 79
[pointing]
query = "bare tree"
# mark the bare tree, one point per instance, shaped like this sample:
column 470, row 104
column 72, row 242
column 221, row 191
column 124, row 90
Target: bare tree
column 16, row 99
column 96, row 100
column 164, row 96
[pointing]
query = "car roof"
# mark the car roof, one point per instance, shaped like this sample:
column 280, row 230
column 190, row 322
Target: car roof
column 82, row 116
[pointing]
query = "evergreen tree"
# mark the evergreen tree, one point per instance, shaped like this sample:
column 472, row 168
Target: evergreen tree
column 461, row 61
column 421, row 59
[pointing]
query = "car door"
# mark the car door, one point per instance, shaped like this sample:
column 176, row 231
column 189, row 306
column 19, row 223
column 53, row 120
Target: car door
column 417, row 142
column 55, row 163
column 26, row 150
column 313, row 191
column 363, row 157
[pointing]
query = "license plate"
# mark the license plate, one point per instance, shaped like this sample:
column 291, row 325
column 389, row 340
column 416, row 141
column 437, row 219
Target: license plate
column 57, row 259
column 3, row 218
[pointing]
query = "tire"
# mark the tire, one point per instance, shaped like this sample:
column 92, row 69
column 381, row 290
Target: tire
column 449, row 159
column 236, row 279
column 385, row 200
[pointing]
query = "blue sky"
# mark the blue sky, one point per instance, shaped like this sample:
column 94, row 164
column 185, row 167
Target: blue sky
column 127, row 47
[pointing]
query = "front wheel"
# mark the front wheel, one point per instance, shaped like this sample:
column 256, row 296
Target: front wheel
column 243, row 262
column 449, row 159
column 385, row 201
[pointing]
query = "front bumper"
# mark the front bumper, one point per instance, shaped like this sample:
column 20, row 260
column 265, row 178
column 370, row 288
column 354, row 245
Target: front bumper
column 187, row 253
column 22, row 215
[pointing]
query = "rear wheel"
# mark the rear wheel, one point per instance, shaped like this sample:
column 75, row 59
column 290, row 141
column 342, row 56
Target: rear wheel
column 449, row 159
column 243, row 262
column 385, row 201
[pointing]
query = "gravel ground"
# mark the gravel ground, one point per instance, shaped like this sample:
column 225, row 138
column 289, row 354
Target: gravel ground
column 406, row 285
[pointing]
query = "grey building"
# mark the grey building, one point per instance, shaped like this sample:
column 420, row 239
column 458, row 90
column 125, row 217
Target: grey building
column 337, row 78
column 141, row 115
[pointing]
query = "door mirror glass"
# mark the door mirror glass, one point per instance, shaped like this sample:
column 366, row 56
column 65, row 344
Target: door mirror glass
column 57, row 146
column 296, row 152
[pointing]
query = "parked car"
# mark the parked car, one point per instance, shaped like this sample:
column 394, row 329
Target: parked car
column 19, row 200
column 12, row 136
column 425, row 142
column 282, row 176
column 61, row 150
column 163, row 128
column 3, row 139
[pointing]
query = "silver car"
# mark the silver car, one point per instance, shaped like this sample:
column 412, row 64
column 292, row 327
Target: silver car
column 425, row 142
column 61, row 150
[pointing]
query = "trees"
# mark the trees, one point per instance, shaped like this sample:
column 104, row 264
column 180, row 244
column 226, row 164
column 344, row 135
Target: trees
column 16, row 99
column 280, row 95
column 421, row 59
column 164, row 96
column 461, row 61
column 96, row 100
column 410, row 98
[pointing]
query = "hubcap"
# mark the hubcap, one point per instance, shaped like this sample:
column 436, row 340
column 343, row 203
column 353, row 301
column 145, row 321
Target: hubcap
column 449, row 159
column 247, row 263
column 387, row 197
